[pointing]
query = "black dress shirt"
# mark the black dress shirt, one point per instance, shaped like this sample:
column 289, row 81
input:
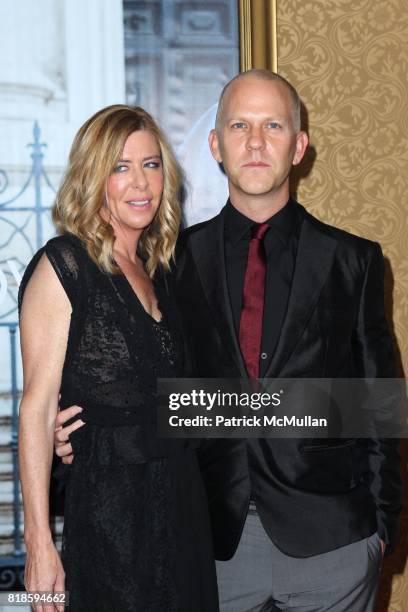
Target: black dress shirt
column 281, row 243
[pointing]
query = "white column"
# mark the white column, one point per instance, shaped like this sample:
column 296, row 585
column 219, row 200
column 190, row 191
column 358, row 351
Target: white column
column 95, row 60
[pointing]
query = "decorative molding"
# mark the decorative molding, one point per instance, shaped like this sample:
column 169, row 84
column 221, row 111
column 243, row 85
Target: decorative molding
column 258, row 34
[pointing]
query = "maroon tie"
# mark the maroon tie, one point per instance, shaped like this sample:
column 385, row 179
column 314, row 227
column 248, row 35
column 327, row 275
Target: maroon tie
column 250, row 325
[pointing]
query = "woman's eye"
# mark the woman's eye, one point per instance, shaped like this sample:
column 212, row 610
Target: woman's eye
column 152, row 164
column 120, row 168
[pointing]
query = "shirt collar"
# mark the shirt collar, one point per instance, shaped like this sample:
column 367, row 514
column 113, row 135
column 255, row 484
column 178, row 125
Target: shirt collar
column 238, row 226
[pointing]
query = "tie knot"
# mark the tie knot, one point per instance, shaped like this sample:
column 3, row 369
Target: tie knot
column 259, row 230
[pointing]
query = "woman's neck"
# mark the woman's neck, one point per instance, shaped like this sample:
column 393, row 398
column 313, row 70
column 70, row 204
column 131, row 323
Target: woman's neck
column 125, row 245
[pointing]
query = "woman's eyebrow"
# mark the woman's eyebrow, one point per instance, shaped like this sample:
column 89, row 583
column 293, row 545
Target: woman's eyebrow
column 151, row 157
column 129, row 161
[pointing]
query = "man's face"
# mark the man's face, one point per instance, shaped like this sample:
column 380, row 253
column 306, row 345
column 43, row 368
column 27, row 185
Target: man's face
column 256, row 141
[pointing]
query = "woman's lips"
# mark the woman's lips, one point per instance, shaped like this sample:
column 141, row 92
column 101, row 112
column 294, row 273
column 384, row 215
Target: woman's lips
column 139, row 203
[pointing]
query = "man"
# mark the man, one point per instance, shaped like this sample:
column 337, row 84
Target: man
column 266, row 290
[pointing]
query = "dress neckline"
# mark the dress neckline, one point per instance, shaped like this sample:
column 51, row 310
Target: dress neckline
column 133, row 296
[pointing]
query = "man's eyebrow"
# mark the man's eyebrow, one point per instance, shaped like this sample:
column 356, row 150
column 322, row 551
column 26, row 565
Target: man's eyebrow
column 249, row 117
column 241, row 119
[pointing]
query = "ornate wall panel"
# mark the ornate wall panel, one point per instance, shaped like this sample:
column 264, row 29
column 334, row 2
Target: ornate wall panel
column 349, row 61
column 179, row 55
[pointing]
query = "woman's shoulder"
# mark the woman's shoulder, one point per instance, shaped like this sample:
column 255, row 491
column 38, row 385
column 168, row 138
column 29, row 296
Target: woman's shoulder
column 65, row 244
column 68, row 259
column 67, row 254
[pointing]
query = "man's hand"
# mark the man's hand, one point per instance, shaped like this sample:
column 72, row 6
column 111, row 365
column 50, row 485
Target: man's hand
column 62, row 445
column 383, row 546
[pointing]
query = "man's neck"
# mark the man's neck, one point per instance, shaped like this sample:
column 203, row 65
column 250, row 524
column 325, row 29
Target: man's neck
column 259, row 209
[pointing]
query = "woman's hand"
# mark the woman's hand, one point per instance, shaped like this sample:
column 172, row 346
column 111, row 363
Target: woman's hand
column 44, row 572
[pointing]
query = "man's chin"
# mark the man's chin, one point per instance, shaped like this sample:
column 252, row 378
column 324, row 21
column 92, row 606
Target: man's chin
column 257, row 189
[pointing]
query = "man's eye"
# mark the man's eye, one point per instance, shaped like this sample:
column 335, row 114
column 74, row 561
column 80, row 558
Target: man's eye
column 120, row 168
column 238, row 125
column 273, row 125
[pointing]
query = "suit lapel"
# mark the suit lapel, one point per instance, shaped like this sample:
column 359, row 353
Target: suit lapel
column 207, row 248
column 313, row 262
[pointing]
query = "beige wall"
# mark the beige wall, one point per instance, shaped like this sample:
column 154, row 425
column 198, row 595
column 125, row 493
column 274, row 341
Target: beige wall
column 349, row 61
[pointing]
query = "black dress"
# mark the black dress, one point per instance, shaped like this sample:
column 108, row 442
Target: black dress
column 136, row 532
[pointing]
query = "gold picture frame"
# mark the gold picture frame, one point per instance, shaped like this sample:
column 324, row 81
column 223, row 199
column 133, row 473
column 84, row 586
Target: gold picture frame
column 258, row 34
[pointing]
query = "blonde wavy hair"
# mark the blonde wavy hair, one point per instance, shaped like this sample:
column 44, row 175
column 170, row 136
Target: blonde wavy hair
column 96, row 150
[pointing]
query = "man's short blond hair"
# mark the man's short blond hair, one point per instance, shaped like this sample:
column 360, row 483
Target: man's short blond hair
column 267, row 75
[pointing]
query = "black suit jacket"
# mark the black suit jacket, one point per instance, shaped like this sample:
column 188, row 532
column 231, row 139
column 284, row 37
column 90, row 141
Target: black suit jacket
column 310, row 500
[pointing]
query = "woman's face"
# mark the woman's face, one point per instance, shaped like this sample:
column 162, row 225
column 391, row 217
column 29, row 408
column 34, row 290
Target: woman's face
column 135, row 187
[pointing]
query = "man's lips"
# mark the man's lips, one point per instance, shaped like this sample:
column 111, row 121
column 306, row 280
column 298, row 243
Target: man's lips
column 257, row 164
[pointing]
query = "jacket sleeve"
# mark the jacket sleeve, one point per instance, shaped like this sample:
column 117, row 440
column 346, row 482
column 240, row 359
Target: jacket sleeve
column 374, row 358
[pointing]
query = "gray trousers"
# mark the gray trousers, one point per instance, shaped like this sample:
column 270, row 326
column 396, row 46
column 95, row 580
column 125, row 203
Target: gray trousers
column 260, row 578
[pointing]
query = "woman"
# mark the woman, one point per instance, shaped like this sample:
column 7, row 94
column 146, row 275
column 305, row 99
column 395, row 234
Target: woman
column 98, row 326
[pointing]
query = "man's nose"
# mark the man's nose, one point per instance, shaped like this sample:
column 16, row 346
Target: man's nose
column 255, row 139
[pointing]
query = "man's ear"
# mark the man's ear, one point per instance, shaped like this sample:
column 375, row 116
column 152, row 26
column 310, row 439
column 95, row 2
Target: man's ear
column 302, row 141
column 214, row 146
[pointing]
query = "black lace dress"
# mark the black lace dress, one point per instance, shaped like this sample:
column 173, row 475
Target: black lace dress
column 136, row 532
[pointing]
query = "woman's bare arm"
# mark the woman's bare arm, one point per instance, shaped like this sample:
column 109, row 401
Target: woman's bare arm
column 44, row 326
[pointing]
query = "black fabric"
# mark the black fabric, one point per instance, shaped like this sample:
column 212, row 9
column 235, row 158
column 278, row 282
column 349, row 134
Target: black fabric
column 136, row 532
column 280, row 246
column 309, row 502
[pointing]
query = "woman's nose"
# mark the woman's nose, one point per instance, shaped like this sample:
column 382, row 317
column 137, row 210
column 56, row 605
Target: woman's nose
column 139, row 179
